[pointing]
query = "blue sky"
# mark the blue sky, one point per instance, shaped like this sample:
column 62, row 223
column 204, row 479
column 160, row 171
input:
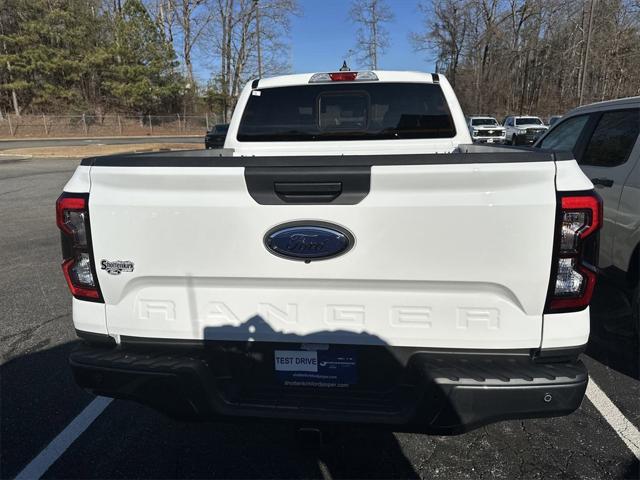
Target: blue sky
column 323, row 34
column 321, row 37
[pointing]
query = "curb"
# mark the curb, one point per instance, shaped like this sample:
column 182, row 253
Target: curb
column 38, row 139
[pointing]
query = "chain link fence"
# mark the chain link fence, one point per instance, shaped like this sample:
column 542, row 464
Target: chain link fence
column 25, row 126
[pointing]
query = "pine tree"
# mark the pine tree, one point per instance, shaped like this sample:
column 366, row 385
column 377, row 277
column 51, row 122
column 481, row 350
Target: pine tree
column 50, row 53
column 144, row 77
column 76, row 56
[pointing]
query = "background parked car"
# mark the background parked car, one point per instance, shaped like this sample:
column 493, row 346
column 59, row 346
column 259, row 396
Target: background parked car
column 604, row 138
column 485, row 129
column 216, row 136
column 553, row 119
column 523, row 130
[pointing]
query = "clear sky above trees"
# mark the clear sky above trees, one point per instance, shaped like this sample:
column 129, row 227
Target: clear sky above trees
column 322, row 37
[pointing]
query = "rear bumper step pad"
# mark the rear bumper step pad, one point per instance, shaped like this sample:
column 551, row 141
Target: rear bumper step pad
column 432, row 392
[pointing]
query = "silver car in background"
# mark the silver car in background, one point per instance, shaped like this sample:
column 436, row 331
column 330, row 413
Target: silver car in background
column 604, row 138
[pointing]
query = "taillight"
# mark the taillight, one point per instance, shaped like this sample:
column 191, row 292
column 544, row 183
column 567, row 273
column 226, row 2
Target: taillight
column 72, row 218
column 573, row 273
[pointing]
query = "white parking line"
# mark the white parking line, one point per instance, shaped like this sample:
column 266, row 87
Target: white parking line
column 39, row 465
column 623, row 427
column 627, row 432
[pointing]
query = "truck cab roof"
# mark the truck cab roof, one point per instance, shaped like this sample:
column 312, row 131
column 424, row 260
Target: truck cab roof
column 347, row 113
column 618, row 103
column 382, row 76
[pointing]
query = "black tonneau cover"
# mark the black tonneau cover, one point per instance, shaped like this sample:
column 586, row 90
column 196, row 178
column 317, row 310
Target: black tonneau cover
column 468, row 154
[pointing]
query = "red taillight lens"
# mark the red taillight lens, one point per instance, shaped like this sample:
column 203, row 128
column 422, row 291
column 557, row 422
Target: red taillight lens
column 589, row 206
column 64, row 207
column 343, row 76
column 72, row 218
column 72, row 275
column 573, row 270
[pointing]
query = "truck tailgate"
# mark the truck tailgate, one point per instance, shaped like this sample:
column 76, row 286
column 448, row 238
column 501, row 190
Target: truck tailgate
column 444, row 255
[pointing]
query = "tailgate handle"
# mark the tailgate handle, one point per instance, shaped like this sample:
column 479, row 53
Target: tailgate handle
column 308, row 192
column 279, row 184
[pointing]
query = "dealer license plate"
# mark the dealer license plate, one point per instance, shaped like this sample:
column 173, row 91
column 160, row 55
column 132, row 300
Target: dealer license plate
column 322, row 367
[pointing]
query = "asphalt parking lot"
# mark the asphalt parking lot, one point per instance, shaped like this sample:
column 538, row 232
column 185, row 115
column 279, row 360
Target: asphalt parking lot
column 39, row 399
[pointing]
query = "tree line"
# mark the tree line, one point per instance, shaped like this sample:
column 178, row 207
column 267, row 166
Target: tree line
column 140, row 56
column 136, row 56
column 534, row 56
column 85, row 55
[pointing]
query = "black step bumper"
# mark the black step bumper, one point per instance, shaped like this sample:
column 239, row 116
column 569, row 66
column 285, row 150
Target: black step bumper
column 402, row 389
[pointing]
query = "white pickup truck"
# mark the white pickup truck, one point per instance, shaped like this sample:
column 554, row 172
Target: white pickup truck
column 523, row 130
column 349, row 257
column 485, row 129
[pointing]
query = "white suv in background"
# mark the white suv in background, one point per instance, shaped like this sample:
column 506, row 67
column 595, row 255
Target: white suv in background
column 523, row 130
column 485, row 129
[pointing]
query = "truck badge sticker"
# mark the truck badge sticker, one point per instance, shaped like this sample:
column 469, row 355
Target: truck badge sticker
column 117, row 266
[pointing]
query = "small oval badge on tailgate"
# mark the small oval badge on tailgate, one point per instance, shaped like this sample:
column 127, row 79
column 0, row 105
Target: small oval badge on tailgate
column 308, row 240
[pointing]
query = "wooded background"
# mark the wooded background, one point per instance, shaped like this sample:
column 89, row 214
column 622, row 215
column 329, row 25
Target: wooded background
column 136, row 57
column 534, row 56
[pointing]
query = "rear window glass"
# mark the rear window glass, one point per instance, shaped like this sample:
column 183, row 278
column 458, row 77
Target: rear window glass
column 613, row 139
column 341, row 111
column 483, row 121
column 528, row 121
column 566, row 134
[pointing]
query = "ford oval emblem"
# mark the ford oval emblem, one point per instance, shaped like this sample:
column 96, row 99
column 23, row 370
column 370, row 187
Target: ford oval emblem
column 308, row 241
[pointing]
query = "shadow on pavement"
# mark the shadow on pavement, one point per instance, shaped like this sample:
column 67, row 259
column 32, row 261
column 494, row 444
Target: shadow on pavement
column 632, row 470
column 39, row 398
column 613, row 340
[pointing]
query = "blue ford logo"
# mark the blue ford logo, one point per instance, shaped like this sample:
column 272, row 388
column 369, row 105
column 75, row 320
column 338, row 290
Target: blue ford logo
column 308, row 241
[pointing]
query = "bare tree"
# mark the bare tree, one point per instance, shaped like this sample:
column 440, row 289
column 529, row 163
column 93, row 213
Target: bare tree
column 585, row 63
column 372, row 38
column 9, row 78
column 165, row 15
column 533, row 56
column 193, row 17
column 235, row 40
column 184, row 23
column 446, row 32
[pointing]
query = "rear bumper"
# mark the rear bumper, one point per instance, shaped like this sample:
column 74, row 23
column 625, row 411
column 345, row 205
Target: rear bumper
column 496, row 140
column 402, row 389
